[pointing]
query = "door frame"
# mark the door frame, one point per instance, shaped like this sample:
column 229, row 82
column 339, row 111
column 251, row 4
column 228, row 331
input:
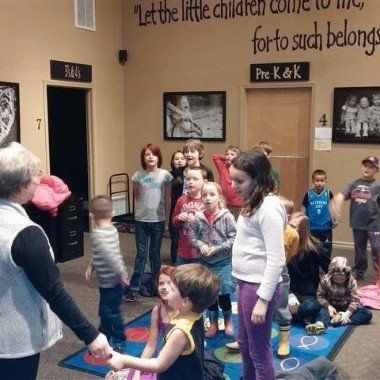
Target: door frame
column 274, row 86
column 90, row 124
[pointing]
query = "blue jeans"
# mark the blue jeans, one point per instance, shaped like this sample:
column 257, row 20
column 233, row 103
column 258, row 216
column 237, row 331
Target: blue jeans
column 307, row 310
column 111, row 320
column 182, row 260
column 174, row 234
column 282, row 314
column 361, row 238
column 361, row 316
column 148, row 237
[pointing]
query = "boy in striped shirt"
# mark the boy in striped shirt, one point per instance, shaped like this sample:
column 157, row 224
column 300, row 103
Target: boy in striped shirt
column 108, row 264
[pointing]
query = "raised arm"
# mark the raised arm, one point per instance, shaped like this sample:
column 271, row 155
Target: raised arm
column 219, row 161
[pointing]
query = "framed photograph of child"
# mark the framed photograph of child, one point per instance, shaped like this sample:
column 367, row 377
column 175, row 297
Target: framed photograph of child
column 9, row 113
column 199, row 115
column 356, row 117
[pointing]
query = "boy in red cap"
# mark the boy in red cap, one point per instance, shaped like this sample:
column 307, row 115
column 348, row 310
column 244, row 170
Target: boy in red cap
column 364, row 214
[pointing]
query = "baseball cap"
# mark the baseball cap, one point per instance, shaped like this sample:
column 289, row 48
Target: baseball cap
column 374, row 160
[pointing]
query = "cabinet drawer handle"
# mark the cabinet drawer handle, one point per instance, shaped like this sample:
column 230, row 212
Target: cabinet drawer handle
column 72, row 218
column 72, row 208
column 72, row 233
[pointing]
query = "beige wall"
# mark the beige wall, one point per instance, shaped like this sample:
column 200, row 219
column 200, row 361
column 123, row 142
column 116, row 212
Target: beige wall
column 216, row 54
column 211, row 55
column 34, row 32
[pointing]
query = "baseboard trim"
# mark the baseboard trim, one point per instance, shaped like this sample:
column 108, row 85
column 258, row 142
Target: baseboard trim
column 343, row 245
column 346, row 245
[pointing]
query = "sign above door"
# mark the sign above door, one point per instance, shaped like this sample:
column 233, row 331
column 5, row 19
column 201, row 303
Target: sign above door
column 74, row 72
column 280, row 72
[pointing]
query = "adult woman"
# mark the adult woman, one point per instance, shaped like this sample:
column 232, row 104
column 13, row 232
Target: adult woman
column 29, row 279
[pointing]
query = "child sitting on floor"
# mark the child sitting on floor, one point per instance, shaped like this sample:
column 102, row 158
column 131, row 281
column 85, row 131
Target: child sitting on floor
column 192, row 289
column 161, row 315
column 338, row 295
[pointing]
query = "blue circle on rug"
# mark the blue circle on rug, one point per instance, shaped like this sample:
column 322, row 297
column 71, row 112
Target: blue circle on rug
column 309, row 342
column 288, row 364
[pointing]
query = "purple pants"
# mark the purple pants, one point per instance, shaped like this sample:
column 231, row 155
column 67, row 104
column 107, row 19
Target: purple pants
column 254, row 339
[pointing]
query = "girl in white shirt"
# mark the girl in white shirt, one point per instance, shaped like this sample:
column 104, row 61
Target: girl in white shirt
column 257, row 260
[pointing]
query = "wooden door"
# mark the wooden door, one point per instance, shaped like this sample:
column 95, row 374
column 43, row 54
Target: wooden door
column 281, row 117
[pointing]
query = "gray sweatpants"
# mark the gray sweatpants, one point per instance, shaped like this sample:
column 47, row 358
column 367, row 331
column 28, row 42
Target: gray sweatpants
column 361, row 238
column 282, row 314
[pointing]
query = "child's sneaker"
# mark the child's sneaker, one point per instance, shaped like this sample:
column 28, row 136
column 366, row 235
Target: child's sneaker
column 337, row 319
column 316, row 328
column 130, row 296
column 234, row 346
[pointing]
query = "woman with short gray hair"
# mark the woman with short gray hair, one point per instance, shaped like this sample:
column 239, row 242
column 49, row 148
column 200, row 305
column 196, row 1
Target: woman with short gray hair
column 31, row 295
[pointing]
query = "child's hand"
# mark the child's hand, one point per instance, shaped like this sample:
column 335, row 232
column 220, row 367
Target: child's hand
column 125, row 280
column 204, row 250
column 88, row 273
column 293, row 300
column 190, row 218
column 183, row 216
column 293, row 303
column 332, row 311
column 211, row 251
column 346, row 317
column 116, row 361
column 259, row 311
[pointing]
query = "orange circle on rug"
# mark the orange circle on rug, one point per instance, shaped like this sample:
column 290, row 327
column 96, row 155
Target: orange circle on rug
column 137, row 334
column 91, row 359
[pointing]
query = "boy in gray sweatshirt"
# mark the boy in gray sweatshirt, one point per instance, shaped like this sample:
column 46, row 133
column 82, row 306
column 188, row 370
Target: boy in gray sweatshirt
column 107, row 262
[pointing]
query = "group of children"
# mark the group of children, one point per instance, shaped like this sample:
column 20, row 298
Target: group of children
column 360, row 116
column 268, row 251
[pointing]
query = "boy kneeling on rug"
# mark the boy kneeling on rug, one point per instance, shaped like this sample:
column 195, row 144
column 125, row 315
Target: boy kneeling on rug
column 192, row 289
column 338, row 295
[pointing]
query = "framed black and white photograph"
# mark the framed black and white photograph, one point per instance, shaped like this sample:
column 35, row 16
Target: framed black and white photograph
column 199, row 115
column 356, row 117
column 9, row 113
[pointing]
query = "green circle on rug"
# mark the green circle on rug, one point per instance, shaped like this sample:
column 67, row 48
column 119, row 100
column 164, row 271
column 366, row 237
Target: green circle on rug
column 228, row 356
column 274, row 333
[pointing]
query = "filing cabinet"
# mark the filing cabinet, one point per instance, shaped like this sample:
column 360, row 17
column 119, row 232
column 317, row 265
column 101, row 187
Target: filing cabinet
column 65, row 231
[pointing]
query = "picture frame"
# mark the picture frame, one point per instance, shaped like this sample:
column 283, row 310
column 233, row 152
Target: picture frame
column 200, row 114
column 9, row 113
column 356, row 115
